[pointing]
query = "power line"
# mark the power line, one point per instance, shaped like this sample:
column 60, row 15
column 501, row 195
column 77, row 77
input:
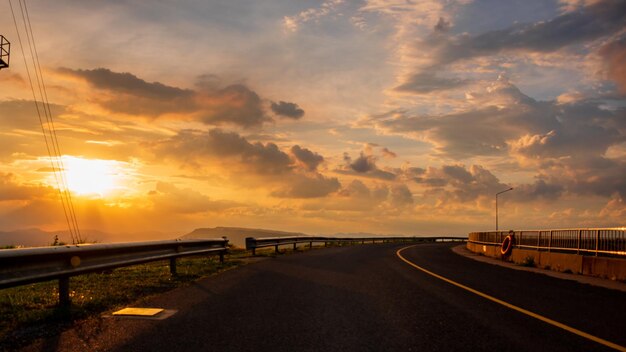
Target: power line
column 54, row 154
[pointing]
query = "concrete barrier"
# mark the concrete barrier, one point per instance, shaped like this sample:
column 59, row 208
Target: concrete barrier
column 604, row 267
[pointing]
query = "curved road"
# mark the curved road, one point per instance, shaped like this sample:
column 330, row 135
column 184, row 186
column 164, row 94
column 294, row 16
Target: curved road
column 364, row 298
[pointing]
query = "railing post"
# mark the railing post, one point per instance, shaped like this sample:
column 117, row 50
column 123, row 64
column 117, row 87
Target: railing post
column 597, row 241
column 578, row 242
column 276, row 249
column 311, row 245
column 550, row 242
column 173, row 266
column 538, row 239
column 64, row 291
column 295, row 245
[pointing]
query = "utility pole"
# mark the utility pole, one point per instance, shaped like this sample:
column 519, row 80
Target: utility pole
column 5, row 49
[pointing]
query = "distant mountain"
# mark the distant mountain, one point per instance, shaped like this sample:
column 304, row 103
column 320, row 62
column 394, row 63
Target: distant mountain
column 37, row 238
column 29, row 238
column 236, row 235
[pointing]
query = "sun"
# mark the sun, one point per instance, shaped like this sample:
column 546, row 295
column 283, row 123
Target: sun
column 93, row 177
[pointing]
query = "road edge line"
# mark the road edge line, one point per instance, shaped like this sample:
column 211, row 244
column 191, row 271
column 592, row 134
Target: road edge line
column 514, row 307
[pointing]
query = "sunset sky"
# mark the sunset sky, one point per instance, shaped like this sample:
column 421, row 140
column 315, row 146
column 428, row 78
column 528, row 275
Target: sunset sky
column 398, row 117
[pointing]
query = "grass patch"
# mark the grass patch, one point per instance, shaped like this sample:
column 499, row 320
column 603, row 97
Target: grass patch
column 529, row 261
column 31, row 311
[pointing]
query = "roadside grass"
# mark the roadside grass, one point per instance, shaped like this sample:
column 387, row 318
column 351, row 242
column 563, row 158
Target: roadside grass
column 31, row 311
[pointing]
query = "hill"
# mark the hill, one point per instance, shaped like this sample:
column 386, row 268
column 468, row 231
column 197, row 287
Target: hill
column 236, row 235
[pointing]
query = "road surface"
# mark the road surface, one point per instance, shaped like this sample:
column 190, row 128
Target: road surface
column 364, row 298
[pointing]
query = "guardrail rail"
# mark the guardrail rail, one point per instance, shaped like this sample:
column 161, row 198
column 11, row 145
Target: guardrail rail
column 597, row 242
column 252, row 243
column 29, row 265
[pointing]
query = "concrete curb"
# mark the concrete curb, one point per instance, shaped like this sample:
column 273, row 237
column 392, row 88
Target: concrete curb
column 590, row 280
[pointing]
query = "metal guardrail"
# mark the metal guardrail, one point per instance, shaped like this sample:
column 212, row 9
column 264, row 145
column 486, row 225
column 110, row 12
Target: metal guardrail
column 24, row 266
column 253, row 243
column 596, row 242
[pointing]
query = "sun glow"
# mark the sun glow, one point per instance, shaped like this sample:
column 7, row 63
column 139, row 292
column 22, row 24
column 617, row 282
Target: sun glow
column 92, row 177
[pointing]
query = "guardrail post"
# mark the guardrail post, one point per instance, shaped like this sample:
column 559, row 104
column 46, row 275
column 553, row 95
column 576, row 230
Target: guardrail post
column 295, row 245
column 222, row 257
column 173, row 266
column 310, row 245
column 64, row 291
column 578, row 242
column 276, row 249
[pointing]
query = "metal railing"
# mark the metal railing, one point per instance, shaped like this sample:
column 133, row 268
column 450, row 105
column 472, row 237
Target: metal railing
column 253, row 243
column 597, row 242
column 29, row 265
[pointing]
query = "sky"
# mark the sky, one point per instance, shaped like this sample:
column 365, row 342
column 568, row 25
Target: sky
column 322, row 117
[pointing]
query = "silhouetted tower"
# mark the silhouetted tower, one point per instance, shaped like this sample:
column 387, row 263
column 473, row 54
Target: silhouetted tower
column 5, row 49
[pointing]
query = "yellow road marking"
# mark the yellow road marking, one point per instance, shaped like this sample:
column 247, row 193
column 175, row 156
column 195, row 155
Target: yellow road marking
column 511, row 306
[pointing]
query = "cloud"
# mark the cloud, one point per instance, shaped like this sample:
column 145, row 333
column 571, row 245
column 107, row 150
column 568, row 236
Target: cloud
column 289, row 110
column 364, row 165
column 270, row 167
column 502, row 120
column 293, row 23
column 309, row 159
column 427, row 82
column 11, row 190
column 388, row 153
column 195, row 146
column 234, row 104
column 301, row 186
column 125, row 82
column 614, row 55
column 167, row 198
column 595, row 21
column 438, row 50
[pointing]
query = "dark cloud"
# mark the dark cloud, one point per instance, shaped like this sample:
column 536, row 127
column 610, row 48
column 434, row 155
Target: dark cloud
column 458, row 173
column 301, row 186
column 195, row 146
column 266, row 162
column 381, row 197
column 536, row 191
column 364, row 165
column 457, row 183
column 427, row 82
column 400, row 195
column 520, row 125
column 286, row 109
column 442, row 25
column 309, row 159
column 614, row 55
column 234, row 104
column 593, row 22
column 106, row 79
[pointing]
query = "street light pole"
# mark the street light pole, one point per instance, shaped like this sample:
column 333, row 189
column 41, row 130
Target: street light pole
column 506, row 190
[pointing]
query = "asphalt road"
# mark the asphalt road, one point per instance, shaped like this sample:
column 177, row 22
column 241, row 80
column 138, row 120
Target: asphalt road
column 364, row 298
